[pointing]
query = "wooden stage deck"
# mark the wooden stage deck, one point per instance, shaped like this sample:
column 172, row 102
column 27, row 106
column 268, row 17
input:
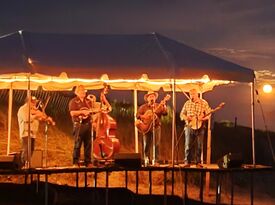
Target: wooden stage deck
column 165, row 169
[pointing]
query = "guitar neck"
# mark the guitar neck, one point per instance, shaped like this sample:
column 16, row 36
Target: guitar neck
column 167, row 97
column 214, row 110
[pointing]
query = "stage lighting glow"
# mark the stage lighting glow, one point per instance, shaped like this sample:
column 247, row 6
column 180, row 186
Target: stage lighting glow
column 267, row 88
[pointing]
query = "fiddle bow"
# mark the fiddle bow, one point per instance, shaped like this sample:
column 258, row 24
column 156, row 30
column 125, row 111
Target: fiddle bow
column 44, row 116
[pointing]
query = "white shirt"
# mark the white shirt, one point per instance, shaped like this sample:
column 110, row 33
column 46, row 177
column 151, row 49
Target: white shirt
column 23, row 121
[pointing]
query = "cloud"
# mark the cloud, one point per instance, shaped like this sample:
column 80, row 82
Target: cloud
column 265, row 76
column 239, row 53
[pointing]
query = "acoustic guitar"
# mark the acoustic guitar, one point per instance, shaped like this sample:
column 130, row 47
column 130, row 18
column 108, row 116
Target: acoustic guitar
column 196, row 124
column 146, row 123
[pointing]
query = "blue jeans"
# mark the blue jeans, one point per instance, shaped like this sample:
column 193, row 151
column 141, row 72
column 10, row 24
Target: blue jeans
column 192, row 138
column 82, row 134
column 148, row 142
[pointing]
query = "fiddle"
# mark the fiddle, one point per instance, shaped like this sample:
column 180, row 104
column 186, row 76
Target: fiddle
column 39, row 112
column 47, row 119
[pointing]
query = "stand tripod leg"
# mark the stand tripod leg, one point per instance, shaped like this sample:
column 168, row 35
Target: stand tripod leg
column 46, row 145
column 92, row 142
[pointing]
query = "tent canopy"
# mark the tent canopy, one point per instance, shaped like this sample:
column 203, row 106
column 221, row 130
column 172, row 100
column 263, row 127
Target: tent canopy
column 114, row 57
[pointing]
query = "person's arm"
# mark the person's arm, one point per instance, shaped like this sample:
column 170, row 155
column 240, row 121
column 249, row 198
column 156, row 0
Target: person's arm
column 163, row 110
column 205, row 116
column 183, row 113
column 41, row 116
column 140, row 112
column 75, row 112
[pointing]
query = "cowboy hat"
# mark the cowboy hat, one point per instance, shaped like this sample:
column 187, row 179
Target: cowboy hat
column 150, row 93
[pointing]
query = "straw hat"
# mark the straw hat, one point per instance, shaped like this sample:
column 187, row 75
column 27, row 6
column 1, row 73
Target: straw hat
column 150, row 93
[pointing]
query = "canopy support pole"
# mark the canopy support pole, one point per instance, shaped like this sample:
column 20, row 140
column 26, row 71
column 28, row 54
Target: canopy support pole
column 208, row 157
column 9, row 118
column 29, row 122
column 173, row 122
column 135, row 117
column 252, row 122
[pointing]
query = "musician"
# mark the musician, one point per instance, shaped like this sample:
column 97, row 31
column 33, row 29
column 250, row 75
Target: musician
column 193, row 112
column 159, row 110
column 80, row 110
column 35, row 115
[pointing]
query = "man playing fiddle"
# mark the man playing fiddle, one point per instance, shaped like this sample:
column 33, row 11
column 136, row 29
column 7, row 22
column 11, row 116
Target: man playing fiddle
column 35, row 115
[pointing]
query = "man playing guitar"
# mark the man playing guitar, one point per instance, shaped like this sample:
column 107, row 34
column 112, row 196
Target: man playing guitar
column 148, row 116
column 195, row 113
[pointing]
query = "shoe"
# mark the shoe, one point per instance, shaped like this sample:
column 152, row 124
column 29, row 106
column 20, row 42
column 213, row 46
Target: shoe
column 186, row 165
column 75, row 166
column 146, row 161
column 157, row 164
column 89, row 165
column 199, row 165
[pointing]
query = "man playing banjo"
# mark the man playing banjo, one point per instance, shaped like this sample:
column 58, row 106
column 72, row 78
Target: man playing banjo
column 195, row 113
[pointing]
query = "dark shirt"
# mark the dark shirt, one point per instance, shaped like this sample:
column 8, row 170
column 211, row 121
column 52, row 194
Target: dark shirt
column 76, row 104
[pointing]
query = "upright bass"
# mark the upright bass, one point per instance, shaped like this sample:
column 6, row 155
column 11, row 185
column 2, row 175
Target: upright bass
column 105, row 144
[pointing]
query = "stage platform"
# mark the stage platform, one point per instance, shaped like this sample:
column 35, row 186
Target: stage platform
column 212, row 169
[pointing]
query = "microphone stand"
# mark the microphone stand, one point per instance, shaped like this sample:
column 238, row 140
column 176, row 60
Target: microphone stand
column 46, row 143
column 154, row 136
column 92, row 136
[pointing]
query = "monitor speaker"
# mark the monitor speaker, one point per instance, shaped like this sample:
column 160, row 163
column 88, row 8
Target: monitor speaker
column 11, row 161
column 132, row 160
column 230, row 160
column 37, row 159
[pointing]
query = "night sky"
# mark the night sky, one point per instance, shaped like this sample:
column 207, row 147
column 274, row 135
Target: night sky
column 238, row 31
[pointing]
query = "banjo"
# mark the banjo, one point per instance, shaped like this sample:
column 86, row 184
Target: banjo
column 195, row 123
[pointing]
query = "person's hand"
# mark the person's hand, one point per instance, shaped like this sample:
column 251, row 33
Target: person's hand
column 189, row 118
column 85, row 112
column 202, row 118
column 50, row 121
column 144, row 117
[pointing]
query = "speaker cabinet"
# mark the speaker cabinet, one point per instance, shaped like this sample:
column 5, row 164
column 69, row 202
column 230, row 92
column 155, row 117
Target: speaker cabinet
column 11, row 161
column 132, row 160
column 230, row 160
column 37, row 159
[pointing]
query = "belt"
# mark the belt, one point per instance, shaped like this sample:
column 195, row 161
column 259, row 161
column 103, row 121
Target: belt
column 83, row 123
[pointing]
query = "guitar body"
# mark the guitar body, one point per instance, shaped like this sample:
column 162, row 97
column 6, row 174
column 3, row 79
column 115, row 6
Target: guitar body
column 146, row 124
column 149, row 117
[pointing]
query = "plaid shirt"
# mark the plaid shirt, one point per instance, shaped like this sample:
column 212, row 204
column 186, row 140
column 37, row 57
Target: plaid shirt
column 191, row 108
